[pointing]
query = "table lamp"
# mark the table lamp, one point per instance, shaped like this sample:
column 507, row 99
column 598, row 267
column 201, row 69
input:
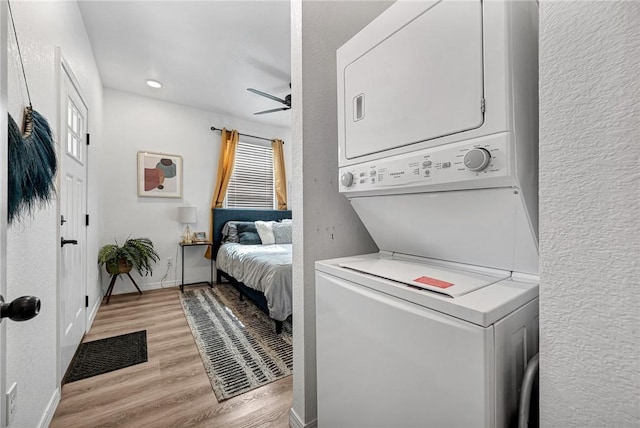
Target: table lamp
column 187, row 215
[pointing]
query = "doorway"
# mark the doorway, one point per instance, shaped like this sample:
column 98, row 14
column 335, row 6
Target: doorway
column 73, row 208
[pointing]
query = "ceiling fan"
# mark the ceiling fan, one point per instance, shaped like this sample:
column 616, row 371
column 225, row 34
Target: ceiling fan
column 286, row 101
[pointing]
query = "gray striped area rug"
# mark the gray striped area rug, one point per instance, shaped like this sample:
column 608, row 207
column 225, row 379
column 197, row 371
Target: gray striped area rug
column 237, row 341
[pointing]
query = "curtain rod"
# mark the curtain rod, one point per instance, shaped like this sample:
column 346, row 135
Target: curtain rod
column 213, row 128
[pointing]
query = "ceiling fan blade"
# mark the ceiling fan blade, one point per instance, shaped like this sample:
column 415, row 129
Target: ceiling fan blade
column 273, row 110
column 264, row 94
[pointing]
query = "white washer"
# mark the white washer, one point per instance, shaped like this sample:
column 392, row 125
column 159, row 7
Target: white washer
column 389, row 355
column 437, row 118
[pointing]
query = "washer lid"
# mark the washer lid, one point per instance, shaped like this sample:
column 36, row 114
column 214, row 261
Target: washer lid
column 447, row 281
column 484, row 306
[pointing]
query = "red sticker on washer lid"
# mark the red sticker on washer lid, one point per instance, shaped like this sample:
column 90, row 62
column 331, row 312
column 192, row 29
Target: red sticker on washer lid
column 434, row 282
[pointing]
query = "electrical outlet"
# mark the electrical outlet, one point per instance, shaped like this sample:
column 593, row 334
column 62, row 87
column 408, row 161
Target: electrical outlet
column 12, row 403
column 169, row 261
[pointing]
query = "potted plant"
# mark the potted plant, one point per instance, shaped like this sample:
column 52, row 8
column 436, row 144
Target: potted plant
column 136, row 253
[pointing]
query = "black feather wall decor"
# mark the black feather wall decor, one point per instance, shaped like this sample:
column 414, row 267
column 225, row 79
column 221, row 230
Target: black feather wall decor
column 32, row 158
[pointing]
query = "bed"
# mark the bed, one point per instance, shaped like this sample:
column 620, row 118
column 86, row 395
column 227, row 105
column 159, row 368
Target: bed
column 261, row 273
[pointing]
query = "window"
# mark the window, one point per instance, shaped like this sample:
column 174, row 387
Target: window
column 74, row 131
column 251, row 184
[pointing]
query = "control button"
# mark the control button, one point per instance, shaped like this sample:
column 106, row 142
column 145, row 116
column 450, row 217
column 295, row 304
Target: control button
column 347, row 179
column 446, row 164
column 426, row 164
column 477, row 159
column 427, row 172
column 362, row 174
column 373, row 180
column 362, row 181
column 373, row 172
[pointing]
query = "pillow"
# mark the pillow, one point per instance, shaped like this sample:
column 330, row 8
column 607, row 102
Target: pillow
column 247, row 234
column 230, row 231
column 265, row 230
column 282, row 233
column 286, row 221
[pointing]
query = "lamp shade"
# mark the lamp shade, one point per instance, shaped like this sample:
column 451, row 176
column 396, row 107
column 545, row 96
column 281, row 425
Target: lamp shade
column 187, row 215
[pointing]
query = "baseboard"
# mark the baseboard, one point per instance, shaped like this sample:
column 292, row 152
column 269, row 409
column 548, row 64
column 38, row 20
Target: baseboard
column 296, row 422
column 159, row 284
column 47, row 417
column 128, row 287
column 144, row 286
column 92, row 314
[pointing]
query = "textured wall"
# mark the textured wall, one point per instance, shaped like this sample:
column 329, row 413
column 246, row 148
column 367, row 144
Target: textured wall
column 589, row 211
column 33, row 245
column 134, row 123
column 325, row 225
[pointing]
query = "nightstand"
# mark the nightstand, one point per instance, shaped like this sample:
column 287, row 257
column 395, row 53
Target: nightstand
column 196, row 244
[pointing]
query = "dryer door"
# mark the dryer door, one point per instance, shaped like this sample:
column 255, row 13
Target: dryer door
column 423, row 81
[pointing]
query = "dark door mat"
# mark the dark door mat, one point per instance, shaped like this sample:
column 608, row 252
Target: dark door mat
column 106, row 355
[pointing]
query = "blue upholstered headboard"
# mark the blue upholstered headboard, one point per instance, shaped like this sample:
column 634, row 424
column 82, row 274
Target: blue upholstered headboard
column 223, row 215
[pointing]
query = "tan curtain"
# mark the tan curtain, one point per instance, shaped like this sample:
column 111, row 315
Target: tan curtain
column 279, row 173
column 228, row 145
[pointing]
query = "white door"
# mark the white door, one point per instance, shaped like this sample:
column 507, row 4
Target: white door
column 73, row 209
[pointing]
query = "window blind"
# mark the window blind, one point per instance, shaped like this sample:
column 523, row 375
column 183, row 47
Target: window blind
column 251, row 184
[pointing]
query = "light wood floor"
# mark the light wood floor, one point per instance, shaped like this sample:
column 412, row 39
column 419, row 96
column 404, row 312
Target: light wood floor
column 171, row 389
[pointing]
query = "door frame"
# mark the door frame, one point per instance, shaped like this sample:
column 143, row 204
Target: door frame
column 64, row 68
column 4, row 143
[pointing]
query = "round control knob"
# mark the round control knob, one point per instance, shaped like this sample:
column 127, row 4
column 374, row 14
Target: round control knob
column 477, row 159
column 347, row 179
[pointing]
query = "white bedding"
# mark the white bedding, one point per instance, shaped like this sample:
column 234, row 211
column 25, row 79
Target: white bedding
column 266, row 268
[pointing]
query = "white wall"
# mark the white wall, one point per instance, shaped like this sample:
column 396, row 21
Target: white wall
column 589, row 221
column 134, row 123
column 325, row 225
column 33, row 245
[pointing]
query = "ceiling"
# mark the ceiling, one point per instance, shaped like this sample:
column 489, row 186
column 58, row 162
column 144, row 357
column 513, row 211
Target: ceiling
column 205, row 53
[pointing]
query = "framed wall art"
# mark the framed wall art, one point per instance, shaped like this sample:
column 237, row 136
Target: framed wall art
column 159, row 175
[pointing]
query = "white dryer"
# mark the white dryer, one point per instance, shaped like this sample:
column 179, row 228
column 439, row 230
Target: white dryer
column 437, row 115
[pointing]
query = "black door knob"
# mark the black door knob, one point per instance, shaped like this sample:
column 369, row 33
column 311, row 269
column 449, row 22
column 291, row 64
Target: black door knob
column 21, row 309
column 64, row 242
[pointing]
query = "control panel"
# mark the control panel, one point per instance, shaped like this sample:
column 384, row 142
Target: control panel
column 451, row 163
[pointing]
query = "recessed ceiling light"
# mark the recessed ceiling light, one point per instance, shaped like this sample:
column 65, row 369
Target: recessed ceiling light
column 154, row 83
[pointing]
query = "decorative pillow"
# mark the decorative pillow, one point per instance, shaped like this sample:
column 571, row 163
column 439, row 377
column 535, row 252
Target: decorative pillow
column 265, row 230
column 230, row 232
column 282, row 233
column 286, row 221
column 247, row 234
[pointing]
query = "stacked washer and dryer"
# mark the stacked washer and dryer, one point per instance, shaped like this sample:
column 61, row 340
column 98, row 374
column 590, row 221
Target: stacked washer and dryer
column 438, row 155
